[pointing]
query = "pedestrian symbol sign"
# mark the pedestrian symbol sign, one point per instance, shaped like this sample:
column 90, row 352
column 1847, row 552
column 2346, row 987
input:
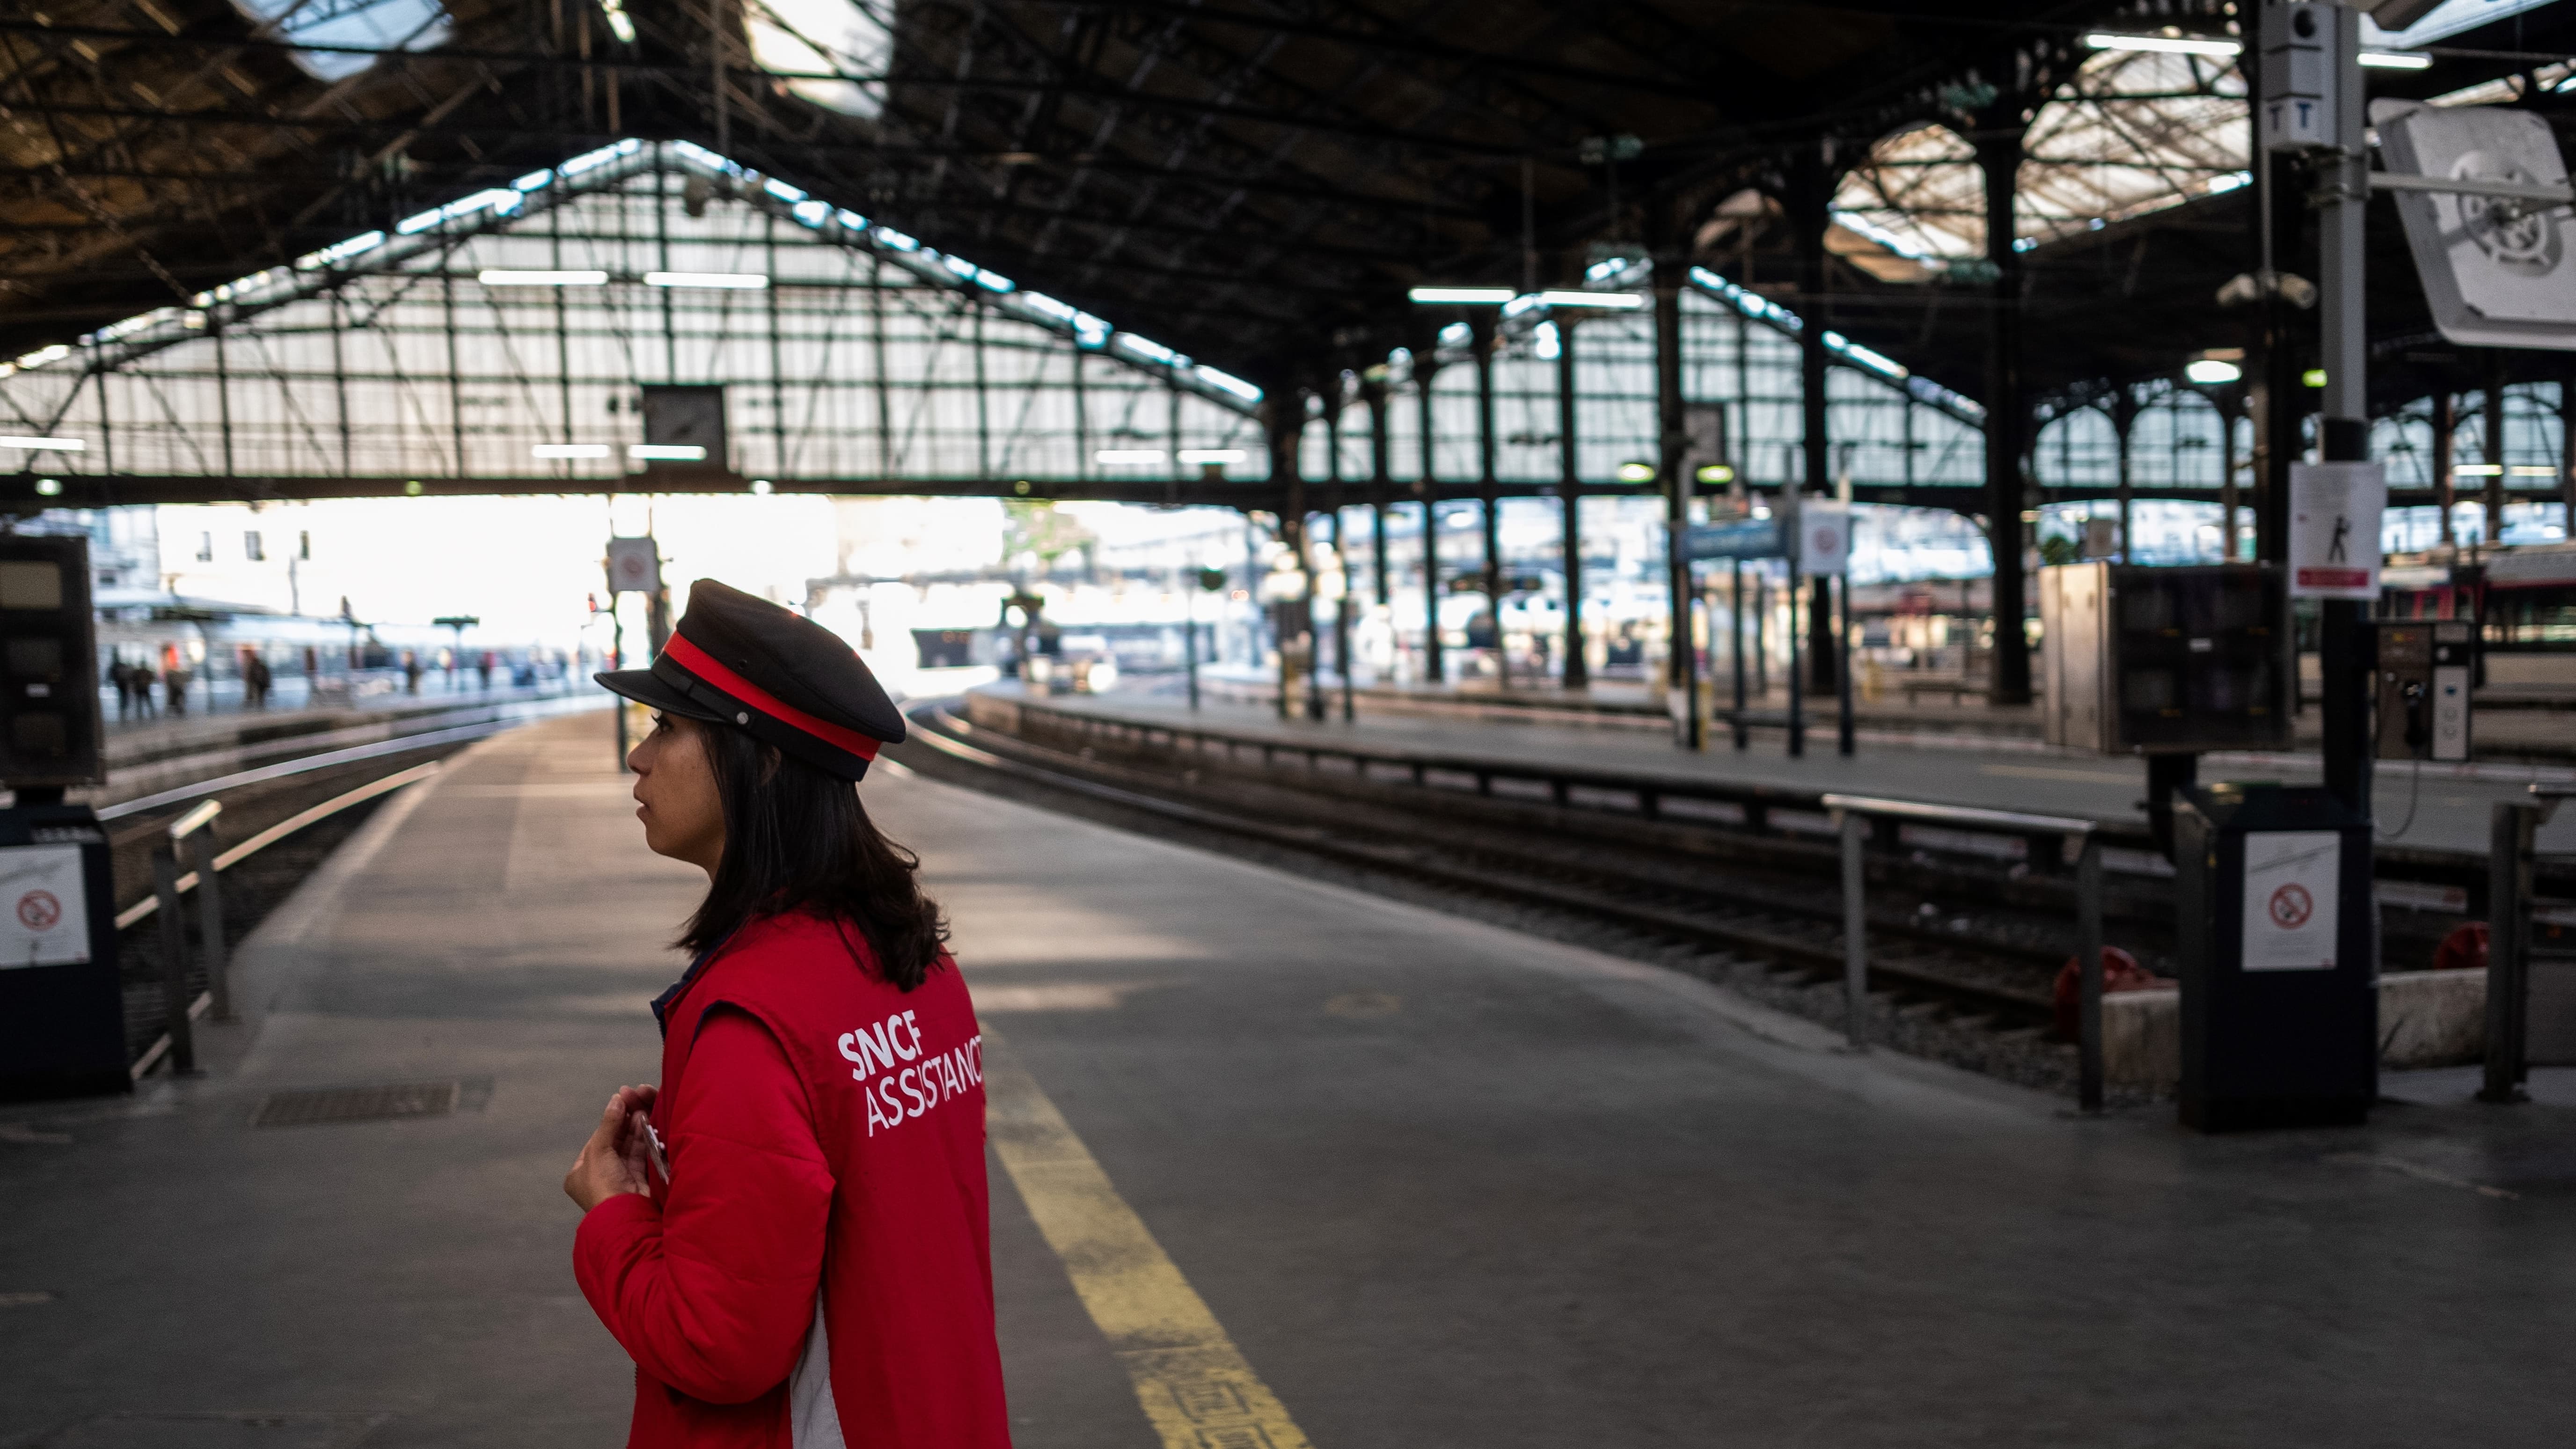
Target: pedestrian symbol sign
column 2334, row 529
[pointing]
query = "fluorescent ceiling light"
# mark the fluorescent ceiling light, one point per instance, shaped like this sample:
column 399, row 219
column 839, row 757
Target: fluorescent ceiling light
column 736, row 281
column 45, row 445
column 2170, row 44
column 2395, row 60
column 504, row 277
column 2521, row 470
column 570, row 450
column 2211, row 372
column 1128, row 455
column 1210, row 455
column 1468, row 296
column 2477, row 470
column 1617, row 301
column 667, row 452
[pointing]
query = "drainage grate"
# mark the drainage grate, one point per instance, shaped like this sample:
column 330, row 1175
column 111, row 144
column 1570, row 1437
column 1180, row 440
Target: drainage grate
column 357, row 1104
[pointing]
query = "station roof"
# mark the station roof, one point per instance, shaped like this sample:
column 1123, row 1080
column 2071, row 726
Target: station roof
column 1257, row 181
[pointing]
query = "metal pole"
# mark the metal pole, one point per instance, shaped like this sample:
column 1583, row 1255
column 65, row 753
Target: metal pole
column 1426, row 365
column 1681, row 663
column 2511, row 828
column 1797, row 685
column 1842, row 669
column 2344, row 431
column 1855, row 831
column 617, row 660
column 1578, row 670
column 1735, row 651
column 2088, row 972
column 210, row 922
column 1190, row 642
column 1489, row 485
column 174, row 963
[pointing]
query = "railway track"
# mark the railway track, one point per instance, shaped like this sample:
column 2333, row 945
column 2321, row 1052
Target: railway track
column 281, row 819
column 1691, row 890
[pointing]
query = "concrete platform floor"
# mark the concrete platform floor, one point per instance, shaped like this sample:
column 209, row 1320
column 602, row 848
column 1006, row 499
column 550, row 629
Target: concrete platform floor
column 2451, row 804
column 1441, row 1184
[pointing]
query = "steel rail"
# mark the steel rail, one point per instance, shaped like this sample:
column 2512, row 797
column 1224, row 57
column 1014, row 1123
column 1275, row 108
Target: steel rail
column 1754, row 938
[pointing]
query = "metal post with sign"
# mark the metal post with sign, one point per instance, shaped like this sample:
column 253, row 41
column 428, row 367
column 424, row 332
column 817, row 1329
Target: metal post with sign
column 634, row 566
column 1824, row 552
column 1735, row 540
column 62, row 1010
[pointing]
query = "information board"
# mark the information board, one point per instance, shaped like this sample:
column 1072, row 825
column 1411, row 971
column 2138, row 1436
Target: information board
column 44, row 907
column 2291, row 880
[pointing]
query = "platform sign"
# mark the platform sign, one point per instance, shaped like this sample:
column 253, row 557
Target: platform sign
column 1824, row 540
column 2290, row 899
column 1735, row 538
column 2496, row 268
column 44, row 911
column 2335, row 512
column 634, row 565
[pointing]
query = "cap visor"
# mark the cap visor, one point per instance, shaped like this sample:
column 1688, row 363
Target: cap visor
column 641, row 686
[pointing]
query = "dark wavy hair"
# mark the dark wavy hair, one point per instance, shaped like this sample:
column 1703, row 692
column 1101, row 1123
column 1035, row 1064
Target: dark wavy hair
column 797, row 839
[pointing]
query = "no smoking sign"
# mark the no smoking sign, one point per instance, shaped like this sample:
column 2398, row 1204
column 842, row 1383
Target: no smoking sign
column 47, row 923
column 2291, row 880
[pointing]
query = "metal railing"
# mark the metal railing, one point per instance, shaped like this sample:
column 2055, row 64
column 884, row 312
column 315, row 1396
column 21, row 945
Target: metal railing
column 2514, row 830
column 1649, row 792
column 193, row 831
column 1854, row 815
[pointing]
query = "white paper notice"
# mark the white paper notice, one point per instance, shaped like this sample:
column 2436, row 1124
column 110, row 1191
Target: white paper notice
column 2335, row 510
column 2290, row 882
column 44, row 912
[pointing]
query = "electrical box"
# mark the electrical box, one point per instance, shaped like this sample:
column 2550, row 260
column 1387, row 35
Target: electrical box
column 2139, row 660
column 2424, row 677
column 2276, row 942
column 2298, row 71
column 49, row 717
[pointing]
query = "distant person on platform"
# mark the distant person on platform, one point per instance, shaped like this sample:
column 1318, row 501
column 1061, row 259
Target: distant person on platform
column 411, row 672
column 483, row 671
column 790, row 1236
column 256, row 680
column 122, row 677
column 174, row 686
column 140, row 676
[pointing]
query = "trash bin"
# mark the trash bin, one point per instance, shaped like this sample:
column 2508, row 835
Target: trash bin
column 62, row 1012
column 2278, row 946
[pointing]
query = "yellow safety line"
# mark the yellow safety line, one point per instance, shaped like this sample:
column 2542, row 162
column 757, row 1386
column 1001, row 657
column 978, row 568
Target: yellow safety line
column 1193, row 1382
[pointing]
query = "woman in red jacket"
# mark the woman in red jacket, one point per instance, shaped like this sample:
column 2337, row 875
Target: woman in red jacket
column 789, row 1236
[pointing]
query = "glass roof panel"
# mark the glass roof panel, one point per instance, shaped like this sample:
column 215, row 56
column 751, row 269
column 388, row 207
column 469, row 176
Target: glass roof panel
column 807, row 38
column 2134, row 132
column 374, row 24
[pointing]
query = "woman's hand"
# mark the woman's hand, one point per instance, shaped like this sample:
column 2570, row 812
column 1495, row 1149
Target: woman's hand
column 614, row 1159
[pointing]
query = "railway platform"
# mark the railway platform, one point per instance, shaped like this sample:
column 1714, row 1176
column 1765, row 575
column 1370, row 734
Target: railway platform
column 2515, row 724
column 2439, row 807
column 1421, row 1179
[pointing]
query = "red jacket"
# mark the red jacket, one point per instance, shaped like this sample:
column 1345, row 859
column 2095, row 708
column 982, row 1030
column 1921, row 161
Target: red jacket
column 812, row 1267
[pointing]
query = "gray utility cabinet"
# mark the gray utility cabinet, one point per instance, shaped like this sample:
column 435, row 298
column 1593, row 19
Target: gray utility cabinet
column 2140, row 660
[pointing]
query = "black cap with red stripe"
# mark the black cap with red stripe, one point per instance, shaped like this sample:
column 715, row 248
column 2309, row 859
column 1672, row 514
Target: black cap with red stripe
column 746, row 662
